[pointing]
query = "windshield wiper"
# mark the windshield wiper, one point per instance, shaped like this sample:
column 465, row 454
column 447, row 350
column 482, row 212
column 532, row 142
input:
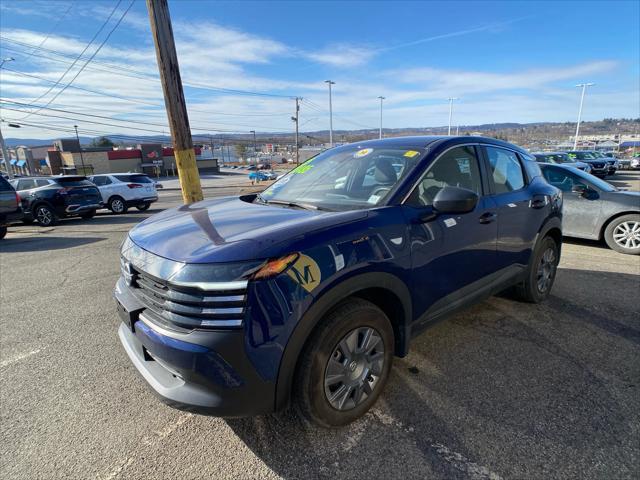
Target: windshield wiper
column 305, row 206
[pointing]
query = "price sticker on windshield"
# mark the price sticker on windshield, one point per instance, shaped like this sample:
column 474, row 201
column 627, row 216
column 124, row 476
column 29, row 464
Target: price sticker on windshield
column 362, row 153
column 411, row 153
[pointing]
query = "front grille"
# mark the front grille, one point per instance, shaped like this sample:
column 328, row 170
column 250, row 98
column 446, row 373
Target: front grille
column 598, row 165
column 187, row 307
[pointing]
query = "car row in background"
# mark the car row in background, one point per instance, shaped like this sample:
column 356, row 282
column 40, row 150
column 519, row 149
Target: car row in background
column 593, row 162
column 48, row 199
column 595, row 209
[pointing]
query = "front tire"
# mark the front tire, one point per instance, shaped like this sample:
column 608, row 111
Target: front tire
column 623, row 234
column 345, row 364
column 541, row 273
column 45, row 216
column 117, row 205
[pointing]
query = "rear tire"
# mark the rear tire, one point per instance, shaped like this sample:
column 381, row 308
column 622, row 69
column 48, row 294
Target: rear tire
column 344, row 365
column 143, row 207
column 117, row 205
column 3, row 232
column 45, row 216
column 541, row 273
column 88, row 215
column 623, row 234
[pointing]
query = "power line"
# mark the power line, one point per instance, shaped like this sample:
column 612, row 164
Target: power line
column 104, row 24
column 142, row 102
column 94, row 53
column 146, row 76
column 54, row 28
column 40, row 108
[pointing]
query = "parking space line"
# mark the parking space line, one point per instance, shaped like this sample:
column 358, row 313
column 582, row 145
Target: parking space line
column 150, row 441
column 19, row 357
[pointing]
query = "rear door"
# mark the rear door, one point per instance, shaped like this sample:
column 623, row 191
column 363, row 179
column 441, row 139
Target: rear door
column 520, row 212
column 79, row 191
column 8, row 201
column 453, row 256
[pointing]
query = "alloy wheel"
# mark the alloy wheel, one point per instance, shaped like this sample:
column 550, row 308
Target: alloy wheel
column 546, row 270
column 117, row 206
column 44, row 216
column 627, row 234
column 354, row 368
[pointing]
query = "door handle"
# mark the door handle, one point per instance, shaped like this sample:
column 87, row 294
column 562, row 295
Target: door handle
column 487, row 217
column 538, row 201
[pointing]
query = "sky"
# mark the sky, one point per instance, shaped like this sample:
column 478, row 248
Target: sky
column 243, row 63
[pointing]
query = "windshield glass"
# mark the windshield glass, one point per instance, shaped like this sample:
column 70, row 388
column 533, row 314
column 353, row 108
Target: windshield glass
column 134, row 178
column 74, row 182
column 345, row 178
column 555, row 158
column 581, row 156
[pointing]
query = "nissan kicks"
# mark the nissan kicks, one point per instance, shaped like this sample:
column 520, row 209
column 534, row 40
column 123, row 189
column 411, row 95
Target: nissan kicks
column 304, row 293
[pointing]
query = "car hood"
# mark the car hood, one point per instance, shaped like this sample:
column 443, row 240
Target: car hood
column 230, row 229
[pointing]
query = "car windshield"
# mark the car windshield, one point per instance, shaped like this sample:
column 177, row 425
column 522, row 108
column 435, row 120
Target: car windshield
column 555, row 158
column 344, row 178
column 581, row 156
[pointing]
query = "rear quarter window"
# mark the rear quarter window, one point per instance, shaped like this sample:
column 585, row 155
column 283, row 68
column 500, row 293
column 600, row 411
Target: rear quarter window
column 74, row 182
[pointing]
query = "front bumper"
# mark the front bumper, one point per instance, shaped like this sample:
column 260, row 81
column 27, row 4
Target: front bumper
column 204, row 371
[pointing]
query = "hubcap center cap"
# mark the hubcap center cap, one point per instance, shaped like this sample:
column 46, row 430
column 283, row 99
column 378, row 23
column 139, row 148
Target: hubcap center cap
column 353, row 365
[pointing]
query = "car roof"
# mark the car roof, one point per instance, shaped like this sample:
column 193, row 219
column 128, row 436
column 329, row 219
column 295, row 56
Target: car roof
column 428, row 140
column 549, row 153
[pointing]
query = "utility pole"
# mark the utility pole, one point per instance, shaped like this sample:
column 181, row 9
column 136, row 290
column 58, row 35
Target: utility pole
column 295, row 119
column 330, row 114
column 255, row 148
column 174, row 100
column 5, row 156
column 584, row 88
column 84, row 171
column 381, row 99
column 451, row 99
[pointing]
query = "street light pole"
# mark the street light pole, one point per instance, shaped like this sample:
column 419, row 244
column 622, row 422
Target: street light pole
column 584, row 88
column 330, row 114
column 381, row 99
column 451, row 99
column 84, row 172
column 255, row 151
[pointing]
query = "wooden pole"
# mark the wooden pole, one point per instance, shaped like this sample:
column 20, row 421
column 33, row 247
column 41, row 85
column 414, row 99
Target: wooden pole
column 174, row 100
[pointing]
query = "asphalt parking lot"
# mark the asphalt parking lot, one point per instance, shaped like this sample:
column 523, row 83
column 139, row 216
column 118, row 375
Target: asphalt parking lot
column 503, row 390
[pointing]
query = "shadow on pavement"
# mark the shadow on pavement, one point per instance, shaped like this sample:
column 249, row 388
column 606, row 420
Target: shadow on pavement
column 505, row 388
column 44, row 242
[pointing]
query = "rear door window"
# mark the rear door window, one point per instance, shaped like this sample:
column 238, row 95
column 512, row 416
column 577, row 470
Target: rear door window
column 100, row 181
column 505, row 170
column 42, row 182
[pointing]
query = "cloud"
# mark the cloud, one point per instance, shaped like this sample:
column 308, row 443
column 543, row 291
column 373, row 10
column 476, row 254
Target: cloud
column 341, row 55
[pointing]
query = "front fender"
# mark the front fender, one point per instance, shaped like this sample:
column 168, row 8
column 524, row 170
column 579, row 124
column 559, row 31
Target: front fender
column 339, row 289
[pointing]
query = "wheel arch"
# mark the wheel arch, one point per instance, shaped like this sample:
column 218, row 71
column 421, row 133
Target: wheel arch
column 41, row 201
column 384, row 290
column 608, row 221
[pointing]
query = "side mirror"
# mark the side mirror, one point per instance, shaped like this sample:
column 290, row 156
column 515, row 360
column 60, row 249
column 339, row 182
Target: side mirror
column 455, row 200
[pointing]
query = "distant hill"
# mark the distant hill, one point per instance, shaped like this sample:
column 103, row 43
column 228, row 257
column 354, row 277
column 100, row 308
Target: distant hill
column 519, row 133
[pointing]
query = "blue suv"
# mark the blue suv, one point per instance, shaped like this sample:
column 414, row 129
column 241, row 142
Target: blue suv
column 236, row 306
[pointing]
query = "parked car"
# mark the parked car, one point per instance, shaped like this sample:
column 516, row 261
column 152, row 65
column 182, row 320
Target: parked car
column 234, row 305
column 599, row 166
column 561, row 158
column 612, row 163
column 10, row 208
column 597, row 210
column 47, row 199
column 634, row 163
column 121, row 191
